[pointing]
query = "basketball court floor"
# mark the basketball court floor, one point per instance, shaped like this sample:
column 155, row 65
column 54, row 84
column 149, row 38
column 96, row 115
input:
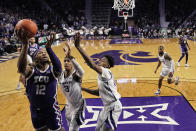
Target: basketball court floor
column 173, row 110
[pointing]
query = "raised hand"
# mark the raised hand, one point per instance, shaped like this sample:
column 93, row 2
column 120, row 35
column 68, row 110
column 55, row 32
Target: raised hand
column 22, row 36
column 77, row 40
column 51, row 40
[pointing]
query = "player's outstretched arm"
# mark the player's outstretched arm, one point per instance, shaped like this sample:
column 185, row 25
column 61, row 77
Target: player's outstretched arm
column 88, row 60
column 76, row 65
column 188, row 45
column 57, row 68
column 90, row 91
column 22, row 65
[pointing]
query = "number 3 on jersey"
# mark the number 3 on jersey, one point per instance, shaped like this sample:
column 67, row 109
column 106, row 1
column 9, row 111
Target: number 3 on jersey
column 66, row 88
column 40, row 89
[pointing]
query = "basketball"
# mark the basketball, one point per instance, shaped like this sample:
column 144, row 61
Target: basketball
column 28, row 26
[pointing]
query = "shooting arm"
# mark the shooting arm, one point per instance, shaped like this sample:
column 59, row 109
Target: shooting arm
column 22, row 61
column 89, row 61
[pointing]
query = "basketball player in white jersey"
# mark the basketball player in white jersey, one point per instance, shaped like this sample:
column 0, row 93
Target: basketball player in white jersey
column 167, row 68
column 107, row 90
column 70, row 82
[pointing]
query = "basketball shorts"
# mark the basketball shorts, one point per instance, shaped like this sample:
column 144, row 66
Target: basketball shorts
column 184, row 50
column 75, row 114
column 165, row 72
column 46, row 117
column 110, row 115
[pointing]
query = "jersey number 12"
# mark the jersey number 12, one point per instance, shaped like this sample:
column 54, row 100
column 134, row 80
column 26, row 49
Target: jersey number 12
column 40, row 89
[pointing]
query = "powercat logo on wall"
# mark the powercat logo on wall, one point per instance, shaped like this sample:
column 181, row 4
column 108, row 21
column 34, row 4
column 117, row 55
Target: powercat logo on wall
column 145, row 114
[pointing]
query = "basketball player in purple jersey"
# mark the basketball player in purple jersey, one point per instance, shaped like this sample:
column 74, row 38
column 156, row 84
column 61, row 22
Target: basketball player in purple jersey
column 41, row 85
column 183, row 45
column 33, row 47
column 107, row 90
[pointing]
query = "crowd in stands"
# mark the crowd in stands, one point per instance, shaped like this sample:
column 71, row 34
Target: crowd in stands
column 47, row 17
column 54, row 17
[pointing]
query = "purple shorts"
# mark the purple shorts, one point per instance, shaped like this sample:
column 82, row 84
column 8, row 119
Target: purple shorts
column 49, row 117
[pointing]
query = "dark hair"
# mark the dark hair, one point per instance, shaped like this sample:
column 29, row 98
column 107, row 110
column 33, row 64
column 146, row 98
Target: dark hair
column 161, row 47
column 110, row 60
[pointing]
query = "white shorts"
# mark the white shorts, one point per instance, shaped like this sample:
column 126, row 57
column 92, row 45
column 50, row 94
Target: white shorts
column 110, row 115
column 75, row 115
column 165, row 72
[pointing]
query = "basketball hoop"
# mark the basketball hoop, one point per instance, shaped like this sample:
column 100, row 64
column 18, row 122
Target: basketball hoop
column 125, row 9
column 124, row 4
column 127, row 5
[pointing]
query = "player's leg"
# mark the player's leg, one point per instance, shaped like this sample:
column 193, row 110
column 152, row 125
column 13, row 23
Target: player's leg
column 159, row 85
column 54, row 118
column 78, row 116
column 170, row 79
column 101, row 119
column 21, row 80
column 38, row 120
column 187, row 57
column 68, row 113
column 105, row 128
column 110, row 123
column 183, row 54
column 74, row 125
column 42, row 129
column 18, row 85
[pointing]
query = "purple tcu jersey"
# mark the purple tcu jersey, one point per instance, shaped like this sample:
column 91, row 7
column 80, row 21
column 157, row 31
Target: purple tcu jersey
column 32, row 50
column 183, row 44
column 41, row 88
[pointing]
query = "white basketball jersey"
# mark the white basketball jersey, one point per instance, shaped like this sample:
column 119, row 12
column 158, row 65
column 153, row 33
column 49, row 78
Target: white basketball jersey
column 166, row 63
column 107, row 87
column 70, row 88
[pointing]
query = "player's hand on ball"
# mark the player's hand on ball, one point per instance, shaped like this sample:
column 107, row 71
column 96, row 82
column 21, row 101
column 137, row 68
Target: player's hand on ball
column 77, row 40
column 67, row 52
column 22, row 36
column 50, row 41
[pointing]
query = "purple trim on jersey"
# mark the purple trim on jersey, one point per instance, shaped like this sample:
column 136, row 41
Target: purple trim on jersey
column 82, row 117
column 112, row 120
column 58, row 112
